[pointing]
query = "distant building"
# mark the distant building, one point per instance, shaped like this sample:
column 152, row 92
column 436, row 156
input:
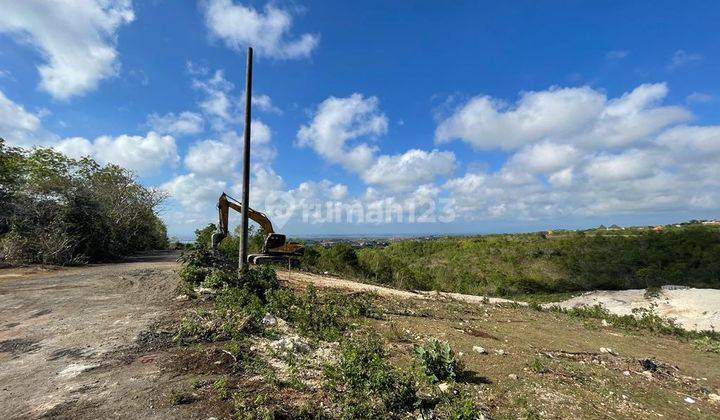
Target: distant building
column 711, row 222
column 658, row 228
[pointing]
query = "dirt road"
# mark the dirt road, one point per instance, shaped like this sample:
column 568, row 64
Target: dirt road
column 70, row 338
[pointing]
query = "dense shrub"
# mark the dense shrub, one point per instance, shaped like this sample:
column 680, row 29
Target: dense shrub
column 57, row 210
column 532, row 263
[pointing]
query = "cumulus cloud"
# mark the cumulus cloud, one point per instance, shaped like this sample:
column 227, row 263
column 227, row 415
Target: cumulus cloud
column 632, row 164
column 338, row 124
column 77, row 39
column 18, row 126
column 544, row 157
column 222, row 106
column 267, row 31
column 143, row 154
column 184, row 123
column 628, row 155
column 700, row 141
column 195, row 193
column 341, row 132
column 211, row 157
column 403, row 171
column 581, row 116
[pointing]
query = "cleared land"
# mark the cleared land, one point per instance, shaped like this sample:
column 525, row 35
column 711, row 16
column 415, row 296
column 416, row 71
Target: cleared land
column 96, row 342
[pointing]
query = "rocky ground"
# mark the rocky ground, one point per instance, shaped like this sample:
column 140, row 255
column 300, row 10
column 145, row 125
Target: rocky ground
column 95, row 342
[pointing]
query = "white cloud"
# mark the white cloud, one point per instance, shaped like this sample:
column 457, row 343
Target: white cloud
column 143, row 154
column 176, row 124
column 487, row 123
column 224, row 108
column 683, row 58
column 18, row 126
column 561, row 178
column 617, row 54
column 400, row 172
column 341, row 130
column 22, row 128
column 211, row 157
column 544, row 157
column 700, row 141
column 76, row 147
column 340, row 121
column 264, row 103
column 76, row 37
column 632, row 164
column 196, row 194
column 699, row 98
column 267, row 31
column 577, row 116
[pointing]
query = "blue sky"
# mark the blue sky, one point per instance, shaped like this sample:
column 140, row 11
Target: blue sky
column 485, row 116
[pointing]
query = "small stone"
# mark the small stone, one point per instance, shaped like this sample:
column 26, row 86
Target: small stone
column 269, row 320
column 647, row 374
column 626, row 372
column 714, row 398
column 444, row 386
column 689, row 400
column 513, row 376
column 181, row 298
column 479, row 349
column 604, row 323
column 500, row 352
column 607, row 350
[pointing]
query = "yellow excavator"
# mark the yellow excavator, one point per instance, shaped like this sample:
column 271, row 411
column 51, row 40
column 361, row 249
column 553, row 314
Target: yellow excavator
column 275, row 249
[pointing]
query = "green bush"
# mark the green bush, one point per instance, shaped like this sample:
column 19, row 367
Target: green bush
column 322, row 318
column 365, row 385
column 437, row 360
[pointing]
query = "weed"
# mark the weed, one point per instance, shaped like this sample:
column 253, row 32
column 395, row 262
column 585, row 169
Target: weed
column 437, row 360
column 178, row 397
column 537, row 366
column 642, row 319
column 706, row 343
column 397, row 334
column 322, row 318
column 221, row 388
column 365, row 385
column 459, row 407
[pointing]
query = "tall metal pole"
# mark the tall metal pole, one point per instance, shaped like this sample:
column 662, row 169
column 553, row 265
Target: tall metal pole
column 242, row 264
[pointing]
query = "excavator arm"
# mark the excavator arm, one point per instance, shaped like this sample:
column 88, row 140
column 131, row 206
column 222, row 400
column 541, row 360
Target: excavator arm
column 225, row 203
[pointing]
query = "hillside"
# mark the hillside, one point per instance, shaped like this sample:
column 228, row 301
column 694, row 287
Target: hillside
column 511, row 265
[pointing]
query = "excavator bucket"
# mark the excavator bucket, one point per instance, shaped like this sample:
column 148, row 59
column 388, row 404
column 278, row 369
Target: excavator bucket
column 216, row 238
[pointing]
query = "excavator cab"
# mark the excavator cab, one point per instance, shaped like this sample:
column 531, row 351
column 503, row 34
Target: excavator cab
column 273, row 241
